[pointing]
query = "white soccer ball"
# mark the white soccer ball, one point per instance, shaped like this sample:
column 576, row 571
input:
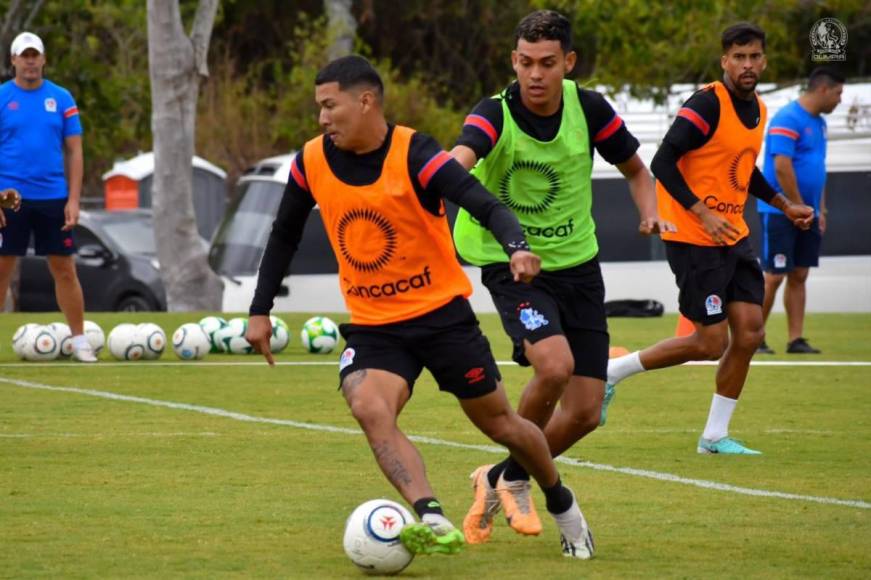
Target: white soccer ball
column 153, row 340
column 280, row 335
column 372, row 537
column 64, row 337
column 96, row 337
column 18, row 339
column 124, row 344
column 212, row 324
column 40, row 344
column 319, row 335
column 190, row 342
column 231, row 338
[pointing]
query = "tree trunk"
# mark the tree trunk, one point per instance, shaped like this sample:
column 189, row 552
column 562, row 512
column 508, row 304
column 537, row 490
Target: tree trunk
column 176, row 65
column 342, row 26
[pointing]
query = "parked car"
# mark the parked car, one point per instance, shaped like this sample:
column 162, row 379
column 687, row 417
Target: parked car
column 116, row 262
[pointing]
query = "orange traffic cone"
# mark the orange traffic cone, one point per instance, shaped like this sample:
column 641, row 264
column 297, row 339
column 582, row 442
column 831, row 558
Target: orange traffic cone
column 685, row 326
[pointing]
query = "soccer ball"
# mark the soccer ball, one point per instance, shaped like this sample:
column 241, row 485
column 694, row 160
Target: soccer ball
column 40, row 344
column 64, row 337
column 372, row 537
column 18, row 339
column 212, row 324
column 231, row 338
column 190, row 342
column 280, row 335
column 319, row 335
column 124, row 344
column 152, row 338
column 96, row 337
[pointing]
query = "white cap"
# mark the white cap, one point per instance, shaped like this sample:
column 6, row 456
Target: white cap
column 27, row 40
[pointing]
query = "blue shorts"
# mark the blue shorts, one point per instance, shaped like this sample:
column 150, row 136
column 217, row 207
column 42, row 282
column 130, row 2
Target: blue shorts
column 43, row 218
column 786, row 247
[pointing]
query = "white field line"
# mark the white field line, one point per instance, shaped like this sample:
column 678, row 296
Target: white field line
column 656, row 475
column 156, row 434
column 333, row 363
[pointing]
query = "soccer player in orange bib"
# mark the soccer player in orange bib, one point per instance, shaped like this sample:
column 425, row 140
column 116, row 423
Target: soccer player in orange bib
column 705, row 168
column 380, row 189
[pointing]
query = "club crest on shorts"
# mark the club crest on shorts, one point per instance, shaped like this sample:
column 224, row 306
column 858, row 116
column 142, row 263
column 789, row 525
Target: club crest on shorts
column 713, row 305
column 780, row 260
column 532, row 319
column 51, row 105
column 347, row 358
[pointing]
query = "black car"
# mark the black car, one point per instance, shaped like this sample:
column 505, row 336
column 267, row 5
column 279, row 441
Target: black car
column 116, row 262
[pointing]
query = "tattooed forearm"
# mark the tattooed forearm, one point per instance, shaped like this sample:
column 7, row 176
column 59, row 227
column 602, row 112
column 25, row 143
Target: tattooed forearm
column 352, row 381
column 391, row 464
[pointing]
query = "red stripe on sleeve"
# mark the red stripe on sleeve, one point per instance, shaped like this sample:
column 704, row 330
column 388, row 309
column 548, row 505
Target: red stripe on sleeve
column 608, row 129
column 298, row 176
column 72, row 111
column 431, row 168
column 695, row 119
column 784, row 131
column 484, row 125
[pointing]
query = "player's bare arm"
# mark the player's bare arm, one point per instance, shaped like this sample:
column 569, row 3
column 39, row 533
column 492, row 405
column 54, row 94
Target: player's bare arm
column 785, row 172
column 644, row 195
column 719, row 228
column 465, row 156
column 259, row 331
column 799, row 214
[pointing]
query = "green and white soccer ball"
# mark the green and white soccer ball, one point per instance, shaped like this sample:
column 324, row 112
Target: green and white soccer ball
column 371, row 538
column 64, row 337
column 190, row 342
column 319, row 335
column 153, row 340
column 124, row 343
column 231, row 338
column 280, row 335
column 211, row 325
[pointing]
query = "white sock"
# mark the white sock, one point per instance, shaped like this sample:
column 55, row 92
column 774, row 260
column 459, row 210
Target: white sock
column 719, row 417
column 624, row 366
column 80, row 341
column 439, row 523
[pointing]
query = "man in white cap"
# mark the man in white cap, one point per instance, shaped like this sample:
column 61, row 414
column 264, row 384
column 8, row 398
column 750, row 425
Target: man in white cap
column 41, row 157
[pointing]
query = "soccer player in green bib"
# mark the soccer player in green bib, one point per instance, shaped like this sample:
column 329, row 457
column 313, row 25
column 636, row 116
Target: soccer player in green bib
column 532, row 147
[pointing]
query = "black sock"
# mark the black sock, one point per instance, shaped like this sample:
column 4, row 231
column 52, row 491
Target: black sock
column 557, row 497
column 514, row 471
column 496, row 471
column 428, row 505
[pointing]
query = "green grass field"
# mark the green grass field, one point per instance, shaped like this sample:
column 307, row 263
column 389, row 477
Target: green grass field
column 152, row 483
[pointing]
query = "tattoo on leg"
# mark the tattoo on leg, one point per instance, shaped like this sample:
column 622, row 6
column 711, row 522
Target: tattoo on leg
column 353, row 381
column 391, row 463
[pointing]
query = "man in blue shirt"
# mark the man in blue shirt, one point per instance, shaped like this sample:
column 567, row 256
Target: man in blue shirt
column 795, row 165
column 41, row 157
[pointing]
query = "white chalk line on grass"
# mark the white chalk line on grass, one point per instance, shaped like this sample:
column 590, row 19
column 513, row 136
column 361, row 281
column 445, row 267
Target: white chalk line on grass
column 156, row 434
column 656, row 475
column 332, row 363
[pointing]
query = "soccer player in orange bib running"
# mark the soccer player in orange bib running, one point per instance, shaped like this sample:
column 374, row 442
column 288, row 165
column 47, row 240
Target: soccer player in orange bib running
column 381, row 189
column 705, row 168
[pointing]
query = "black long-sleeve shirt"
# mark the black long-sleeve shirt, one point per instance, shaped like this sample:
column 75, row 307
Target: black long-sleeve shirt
column 684, row 136
column 450, row 181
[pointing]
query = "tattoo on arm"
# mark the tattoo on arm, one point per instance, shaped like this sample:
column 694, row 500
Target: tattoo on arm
column 391, row 463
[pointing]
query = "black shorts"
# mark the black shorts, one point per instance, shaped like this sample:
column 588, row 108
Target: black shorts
column 711, row 277
column 447, row 341
column 568, row 302
column 43, row 218
column 786, row 247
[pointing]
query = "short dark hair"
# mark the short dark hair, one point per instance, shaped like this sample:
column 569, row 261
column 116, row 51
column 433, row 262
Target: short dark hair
column 742, row 33
column 545, row 25
column 350, row 72
column 824, row 76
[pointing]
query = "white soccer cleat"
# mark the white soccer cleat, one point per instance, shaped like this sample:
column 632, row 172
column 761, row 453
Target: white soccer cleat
column 575, row 535
column 84, row 354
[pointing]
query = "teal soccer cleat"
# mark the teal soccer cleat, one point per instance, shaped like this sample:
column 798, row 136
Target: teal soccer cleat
column 724, row 446
column 610, row 391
